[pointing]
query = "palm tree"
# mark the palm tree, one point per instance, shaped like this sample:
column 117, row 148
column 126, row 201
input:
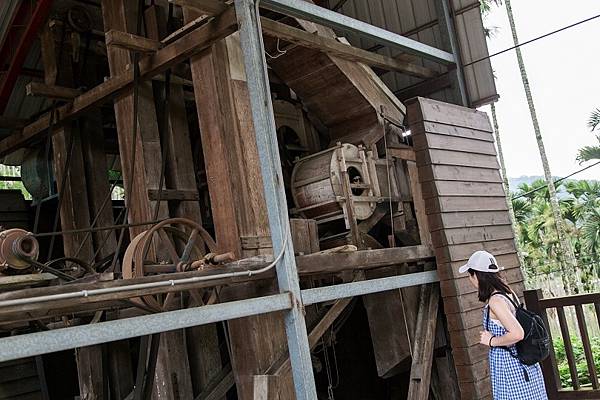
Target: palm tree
column 511, row 211
column 588, row 153
column 567, row 253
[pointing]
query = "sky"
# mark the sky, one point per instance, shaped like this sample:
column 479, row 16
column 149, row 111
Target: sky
column 564, row 75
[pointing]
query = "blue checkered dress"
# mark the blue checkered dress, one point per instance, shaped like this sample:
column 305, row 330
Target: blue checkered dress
column 509, row 375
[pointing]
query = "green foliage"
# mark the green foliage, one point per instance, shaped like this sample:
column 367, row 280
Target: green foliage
column 580, row 207
column 588, row 153
column 594, row 120
column 486, row 5
column 6, row 170
column 580, row 362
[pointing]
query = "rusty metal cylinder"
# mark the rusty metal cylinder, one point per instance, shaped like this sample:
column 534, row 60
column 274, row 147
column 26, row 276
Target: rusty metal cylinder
column 17, row 248
column 317, row 186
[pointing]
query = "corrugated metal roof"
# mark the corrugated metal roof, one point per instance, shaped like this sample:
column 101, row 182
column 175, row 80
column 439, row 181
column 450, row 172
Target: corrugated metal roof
column 20, row 105
column 417, row 19
column 7, row 9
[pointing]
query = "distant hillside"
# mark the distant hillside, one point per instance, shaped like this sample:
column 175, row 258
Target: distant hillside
column 515, row 182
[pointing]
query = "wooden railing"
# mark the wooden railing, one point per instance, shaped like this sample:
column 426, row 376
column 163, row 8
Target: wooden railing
column 535, row 302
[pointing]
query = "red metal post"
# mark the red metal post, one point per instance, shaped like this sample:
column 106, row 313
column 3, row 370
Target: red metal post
column 27, row 23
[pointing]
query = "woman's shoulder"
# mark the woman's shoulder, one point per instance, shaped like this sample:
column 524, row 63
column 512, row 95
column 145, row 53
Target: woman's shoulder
column 499, row 299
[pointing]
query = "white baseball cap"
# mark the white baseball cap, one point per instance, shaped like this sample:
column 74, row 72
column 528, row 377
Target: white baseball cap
column 480, row 261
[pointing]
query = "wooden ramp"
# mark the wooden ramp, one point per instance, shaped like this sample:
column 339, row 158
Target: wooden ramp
column 467, row 211
column 346, row 96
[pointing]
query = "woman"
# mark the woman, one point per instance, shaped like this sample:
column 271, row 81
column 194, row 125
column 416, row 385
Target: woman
column 511, row 380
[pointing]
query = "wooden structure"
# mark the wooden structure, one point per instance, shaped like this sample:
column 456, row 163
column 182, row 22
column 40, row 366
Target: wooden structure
column 466, row 208
column 167, row 97
column 535, row 301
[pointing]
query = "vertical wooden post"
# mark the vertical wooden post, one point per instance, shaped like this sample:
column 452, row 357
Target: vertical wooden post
column 202, row 341
column 172, row 377
column 551, row 378
column 68, row 164
column 237, row 199
column 265, row 387
column 419, row 203
column 422, row 355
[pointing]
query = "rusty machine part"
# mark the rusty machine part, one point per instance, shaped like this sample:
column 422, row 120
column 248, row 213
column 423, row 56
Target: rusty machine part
column 18, row 248
column 67, row 268
column 325, row 182
column 212, row 259
column 169, row 246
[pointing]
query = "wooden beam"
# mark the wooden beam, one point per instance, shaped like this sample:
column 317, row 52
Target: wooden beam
column 210, row 7
column 129, row 41
column 282, row 365
column 12, row 282
column 402, row 153
column 184, row 30
column 363, row 259
column 218, row 387
column 202, row 341
column 141, row 160
column 266, row 387
column 170, row 55
column 345, row 51
column 419, row 204
column 174, row 194
column 420, row 372
column 68, row 165
column 314, row 264
column 425, row 88
column 39, row 89
column 12, row 123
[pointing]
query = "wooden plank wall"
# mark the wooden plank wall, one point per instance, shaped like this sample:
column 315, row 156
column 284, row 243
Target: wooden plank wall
column 341, row 89
column 467, row 211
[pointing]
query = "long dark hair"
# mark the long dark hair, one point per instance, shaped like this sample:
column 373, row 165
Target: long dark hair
column 489, row 282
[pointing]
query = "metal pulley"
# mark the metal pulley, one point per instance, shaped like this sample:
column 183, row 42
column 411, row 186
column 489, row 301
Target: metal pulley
column 173, row 245
column 17, row 249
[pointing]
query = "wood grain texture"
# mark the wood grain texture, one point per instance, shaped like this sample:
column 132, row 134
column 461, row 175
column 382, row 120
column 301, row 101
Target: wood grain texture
column 140, row 174
column 467, row 211
column 346, row 96
column 237, row 199
column 202, row 341
column 122, row 82
column 69, row 171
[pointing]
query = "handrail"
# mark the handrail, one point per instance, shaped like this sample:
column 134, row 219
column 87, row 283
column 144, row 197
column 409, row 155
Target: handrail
column 535, row 302
column 588, row 298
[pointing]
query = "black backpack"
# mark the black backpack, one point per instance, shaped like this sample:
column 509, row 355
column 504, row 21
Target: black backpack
column 535, row 345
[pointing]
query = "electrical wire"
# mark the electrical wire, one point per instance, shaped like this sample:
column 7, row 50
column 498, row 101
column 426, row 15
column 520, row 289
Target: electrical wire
column 172, row 282
column 532, row 40
column 98, row 229
column 555, row 182
column 508, row 49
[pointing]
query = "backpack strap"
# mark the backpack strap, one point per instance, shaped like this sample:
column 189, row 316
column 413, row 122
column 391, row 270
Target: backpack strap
column 513, row 299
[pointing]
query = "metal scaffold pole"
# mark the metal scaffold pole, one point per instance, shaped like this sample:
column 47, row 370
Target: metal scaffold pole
column 266, row 139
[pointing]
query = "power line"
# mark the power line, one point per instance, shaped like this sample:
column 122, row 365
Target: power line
column 508, row 49
column 555, row 182
column 533, row 40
